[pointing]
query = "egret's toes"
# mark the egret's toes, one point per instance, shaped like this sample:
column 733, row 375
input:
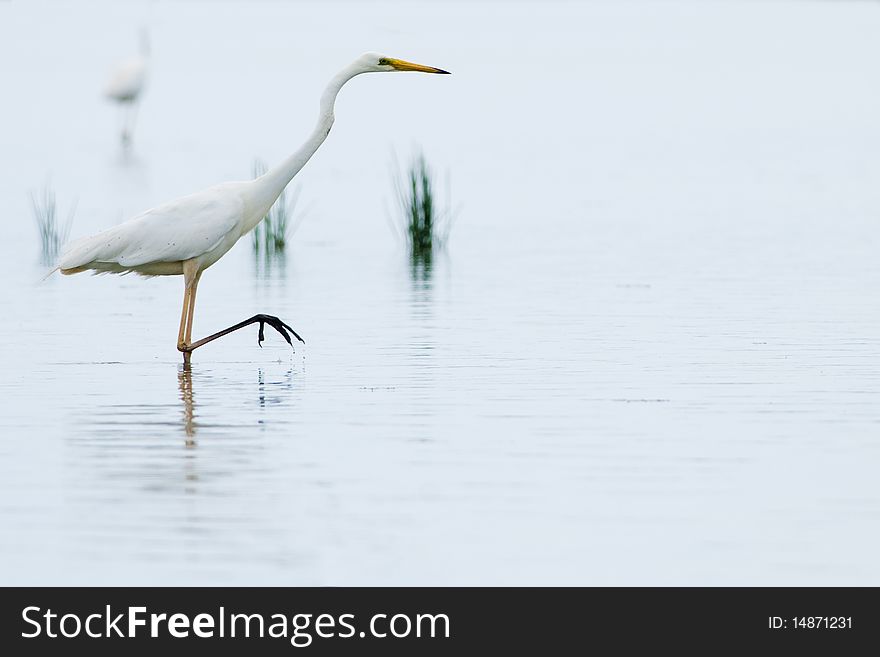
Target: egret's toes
column 289, row 328
column 279, row 326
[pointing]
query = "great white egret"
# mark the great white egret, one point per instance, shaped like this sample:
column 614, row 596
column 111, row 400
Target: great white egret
column 126, row 84
column 189, row 234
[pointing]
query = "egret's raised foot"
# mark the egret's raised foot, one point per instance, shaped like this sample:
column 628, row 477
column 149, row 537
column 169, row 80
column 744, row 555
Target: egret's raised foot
column 276, row 324
column 262, row 320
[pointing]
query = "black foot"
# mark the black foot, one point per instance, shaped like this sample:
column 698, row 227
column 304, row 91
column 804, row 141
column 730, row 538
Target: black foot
column 276, row 324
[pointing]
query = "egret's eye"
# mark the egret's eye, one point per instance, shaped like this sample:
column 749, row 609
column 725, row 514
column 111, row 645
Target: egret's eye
column 384, row 62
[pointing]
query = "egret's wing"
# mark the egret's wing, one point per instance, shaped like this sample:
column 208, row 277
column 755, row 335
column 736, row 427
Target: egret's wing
column 179, row 230
column 182, row 229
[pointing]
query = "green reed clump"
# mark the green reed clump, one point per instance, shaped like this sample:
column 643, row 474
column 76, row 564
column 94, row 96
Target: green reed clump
column 53, row 230
column 271, row 234
column 426, row 223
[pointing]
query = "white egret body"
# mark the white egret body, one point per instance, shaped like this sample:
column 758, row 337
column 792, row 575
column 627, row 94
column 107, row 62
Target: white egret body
column 126, row 83
column 127, row 79
column 189, row 234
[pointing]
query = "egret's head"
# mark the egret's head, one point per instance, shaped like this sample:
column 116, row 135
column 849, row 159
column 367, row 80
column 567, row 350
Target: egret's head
column 375, row 62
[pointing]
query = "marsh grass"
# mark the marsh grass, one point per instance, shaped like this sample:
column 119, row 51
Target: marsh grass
column 53, row 230
column 280, row 223
column 426, row 223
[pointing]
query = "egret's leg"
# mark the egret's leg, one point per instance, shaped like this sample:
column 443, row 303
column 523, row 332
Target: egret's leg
column 190, row 277
column 271, row 320
column 126, row 111
column 130, row 120
column 187, row 336
column 181, row 344
column 185, row 344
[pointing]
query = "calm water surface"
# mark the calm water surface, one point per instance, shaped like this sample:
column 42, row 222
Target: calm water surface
column 649, row 354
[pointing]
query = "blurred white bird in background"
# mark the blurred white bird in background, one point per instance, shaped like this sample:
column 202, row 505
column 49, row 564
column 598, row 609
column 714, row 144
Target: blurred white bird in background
column 188, row 235
column 126, row 86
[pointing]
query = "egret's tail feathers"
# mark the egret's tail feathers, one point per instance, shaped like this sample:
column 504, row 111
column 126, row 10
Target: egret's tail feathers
column 84, row 253
column 105, row 253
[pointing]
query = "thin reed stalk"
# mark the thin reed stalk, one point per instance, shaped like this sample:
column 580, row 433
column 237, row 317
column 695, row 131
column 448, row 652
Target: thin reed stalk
column 52, row 229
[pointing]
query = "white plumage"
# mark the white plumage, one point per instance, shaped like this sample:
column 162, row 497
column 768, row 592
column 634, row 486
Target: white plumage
column 127, row 79
column 202, row 226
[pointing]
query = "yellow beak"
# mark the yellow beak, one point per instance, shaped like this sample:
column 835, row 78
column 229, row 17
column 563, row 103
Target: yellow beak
column 401, row 65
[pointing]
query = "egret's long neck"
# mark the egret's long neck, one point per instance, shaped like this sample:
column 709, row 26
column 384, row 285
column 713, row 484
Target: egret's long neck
column 269, row 186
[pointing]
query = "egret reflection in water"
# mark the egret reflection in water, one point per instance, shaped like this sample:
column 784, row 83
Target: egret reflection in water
column 184, row 380
column 270, row 390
